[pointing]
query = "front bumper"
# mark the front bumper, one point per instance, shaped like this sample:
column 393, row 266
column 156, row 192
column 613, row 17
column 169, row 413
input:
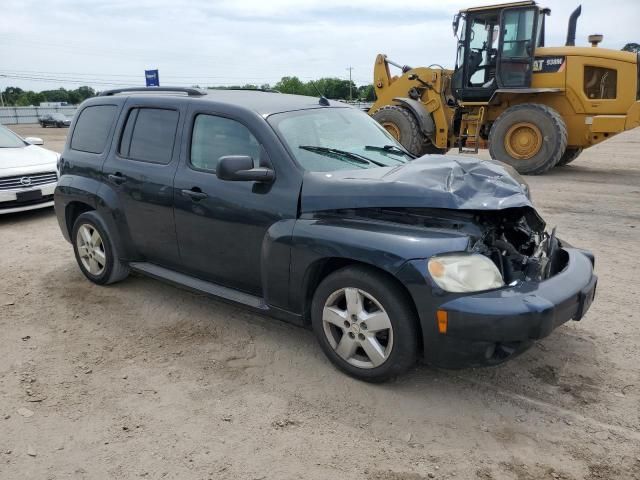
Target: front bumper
column 9, row 202
column 490, row 327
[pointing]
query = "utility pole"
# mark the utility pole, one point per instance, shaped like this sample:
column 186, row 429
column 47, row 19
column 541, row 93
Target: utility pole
column 350, row 83
column 1, row 99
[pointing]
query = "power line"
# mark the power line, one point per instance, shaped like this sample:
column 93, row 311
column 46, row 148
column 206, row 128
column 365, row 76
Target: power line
column 123, row 80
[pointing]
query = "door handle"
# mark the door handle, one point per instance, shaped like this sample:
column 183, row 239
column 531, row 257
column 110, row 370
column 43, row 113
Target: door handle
column 117, row 178
column 195, row 195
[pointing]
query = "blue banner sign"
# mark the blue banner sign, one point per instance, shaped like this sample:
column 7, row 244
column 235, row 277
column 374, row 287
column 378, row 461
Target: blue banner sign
column 152, row 78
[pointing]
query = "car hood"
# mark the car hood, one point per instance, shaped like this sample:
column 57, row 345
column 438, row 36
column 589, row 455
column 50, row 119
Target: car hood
column 29, row 156
column 431, row 181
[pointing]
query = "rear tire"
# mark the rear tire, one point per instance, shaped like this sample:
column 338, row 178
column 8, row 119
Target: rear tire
column 364, row 324
column 403, row 126
column 530, row 137
column 570, row 154
column 95, row 251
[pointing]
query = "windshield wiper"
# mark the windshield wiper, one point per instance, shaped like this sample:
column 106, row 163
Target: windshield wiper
column 335, row 152
column 389, row 149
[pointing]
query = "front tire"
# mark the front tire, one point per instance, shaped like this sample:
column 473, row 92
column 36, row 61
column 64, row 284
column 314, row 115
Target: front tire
column 530, row 137
column 95, row 251
column 364, row 324
column 402, row 126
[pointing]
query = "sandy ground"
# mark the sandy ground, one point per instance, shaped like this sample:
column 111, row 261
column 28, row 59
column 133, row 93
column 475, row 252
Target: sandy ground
column 141, row 379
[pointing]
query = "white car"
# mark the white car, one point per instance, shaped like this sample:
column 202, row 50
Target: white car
column 28, row 173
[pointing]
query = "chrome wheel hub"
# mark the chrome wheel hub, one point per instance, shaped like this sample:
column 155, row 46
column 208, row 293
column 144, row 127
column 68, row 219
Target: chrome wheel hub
column 91, row 249
column 357, row 327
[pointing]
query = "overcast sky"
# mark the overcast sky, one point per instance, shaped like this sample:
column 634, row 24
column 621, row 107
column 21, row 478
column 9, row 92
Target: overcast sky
column 206, row 42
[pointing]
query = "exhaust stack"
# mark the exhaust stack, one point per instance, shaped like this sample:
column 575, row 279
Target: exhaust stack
column 571, row 31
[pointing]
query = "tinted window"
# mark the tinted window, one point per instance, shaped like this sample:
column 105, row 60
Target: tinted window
column 149, row 135
column 214, row 137
column 92, row 128
column 600, row 82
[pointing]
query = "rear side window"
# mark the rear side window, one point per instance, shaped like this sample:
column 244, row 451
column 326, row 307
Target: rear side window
column 149, row 135
column 600, row 83
column 92, row 128
column 214, row 137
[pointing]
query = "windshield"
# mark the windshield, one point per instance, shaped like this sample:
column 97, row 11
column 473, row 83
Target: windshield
column 8, row 139
column 58, row 116
column 328, row 139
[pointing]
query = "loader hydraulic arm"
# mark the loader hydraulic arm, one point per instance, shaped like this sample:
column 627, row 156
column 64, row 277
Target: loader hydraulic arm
column 426, row 88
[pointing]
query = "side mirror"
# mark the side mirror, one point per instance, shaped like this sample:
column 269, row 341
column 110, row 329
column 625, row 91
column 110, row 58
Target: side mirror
column 240, row 168
column 34, row 141
column 455, row 24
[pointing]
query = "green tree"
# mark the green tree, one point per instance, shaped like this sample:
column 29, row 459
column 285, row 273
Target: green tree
column 292, row 85
column 366, row 93
column 632, row 47
column 335, row 88
column 18, row 97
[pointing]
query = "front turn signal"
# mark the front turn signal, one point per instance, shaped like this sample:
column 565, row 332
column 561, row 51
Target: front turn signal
column 443, row 321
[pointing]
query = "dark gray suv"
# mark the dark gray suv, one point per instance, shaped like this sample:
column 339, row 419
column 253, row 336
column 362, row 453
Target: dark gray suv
column 307, row 210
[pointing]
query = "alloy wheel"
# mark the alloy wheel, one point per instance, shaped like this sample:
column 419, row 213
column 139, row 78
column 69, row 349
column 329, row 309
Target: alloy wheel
column 91, row 249
column 357, row 327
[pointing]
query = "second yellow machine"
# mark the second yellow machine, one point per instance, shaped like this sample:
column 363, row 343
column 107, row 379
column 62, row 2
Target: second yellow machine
column 537, row 107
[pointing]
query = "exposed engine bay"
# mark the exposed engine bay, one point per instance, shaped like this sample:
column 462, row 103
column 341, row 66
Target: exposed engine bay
column 515, row 239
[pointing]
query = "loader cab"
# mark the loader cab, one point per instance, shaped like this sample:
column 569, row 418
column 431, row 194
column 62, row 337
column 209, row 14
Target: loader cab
column 496, row 47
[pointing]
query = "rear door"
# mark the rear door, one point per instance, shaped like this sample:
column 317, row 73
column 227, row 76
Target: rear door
column 516, row 48
column 140, row 170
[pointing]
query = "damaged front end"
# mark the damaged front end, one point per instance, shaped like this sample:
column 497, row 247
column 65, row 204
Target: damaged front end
column 514, row 239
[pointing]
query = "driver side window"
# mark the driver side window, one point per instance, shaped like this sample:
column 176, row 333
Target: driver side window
column 214, row 137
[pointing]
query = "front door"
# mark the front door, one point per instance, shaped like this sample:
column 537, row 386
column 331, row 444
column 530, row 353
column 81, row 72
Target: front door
column 516, row 48
column 224, row 227
column 140, row 170
column 474, row 77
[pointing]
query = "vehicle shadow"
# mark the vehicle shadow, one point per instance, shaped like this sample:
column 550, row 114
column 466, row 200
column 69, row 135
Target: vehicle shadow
column 215, row 338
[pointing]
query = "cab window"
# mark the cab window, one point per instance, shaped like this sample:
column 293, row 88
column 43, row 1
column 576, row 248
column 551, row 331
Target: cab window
column 600, row 83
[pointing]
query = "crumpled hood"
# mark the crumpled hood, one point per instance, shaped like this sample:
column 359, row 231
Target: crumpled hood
column 431, row 181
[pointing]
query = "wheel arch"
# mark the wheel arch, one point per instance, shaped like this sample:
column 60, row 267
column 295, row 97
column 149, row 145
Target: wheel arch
column 427, row 125
column 72, row 211
column 321, row 268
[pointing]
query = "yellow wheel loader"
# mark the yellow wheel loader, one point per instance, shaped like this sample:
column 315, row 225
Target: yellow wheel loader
column 535, row 107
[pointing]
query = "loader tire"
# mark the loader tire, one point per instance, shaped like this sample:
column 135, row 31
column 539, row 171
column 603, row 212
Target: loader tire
column 431, row 149
column 570, row 154
column 530, row 137
column 402, row 126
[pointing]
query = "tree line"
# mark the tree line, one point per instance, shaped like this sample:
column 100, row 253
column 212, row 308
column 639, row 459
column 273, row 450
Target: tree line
column 333, row 88
column 17, row 97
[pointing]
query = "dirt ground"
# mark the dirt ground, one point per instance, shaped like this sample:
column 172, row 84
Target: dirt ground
column 141, row 379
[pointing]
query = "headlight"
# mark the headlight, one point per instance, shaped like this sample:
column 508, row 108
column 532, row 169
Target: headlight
column 465, row 272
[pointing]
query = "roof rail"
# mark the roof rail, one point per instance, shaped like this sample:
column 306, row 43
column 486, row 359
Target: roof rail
column 191, row 92
column 268, row 90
